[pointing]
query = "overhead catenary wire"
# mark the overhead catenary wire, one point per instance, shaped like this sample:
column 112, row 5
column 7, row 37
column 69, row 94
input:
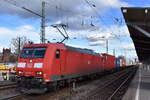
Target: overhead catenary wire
column 93, row 6
column 61, row 10
column 118, row 20
column 42, row 16
column 96, row 12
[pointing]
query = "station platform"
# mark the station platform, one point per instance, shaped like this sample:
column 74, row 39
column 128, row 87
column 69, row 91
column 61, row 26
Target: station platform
column 139, row 88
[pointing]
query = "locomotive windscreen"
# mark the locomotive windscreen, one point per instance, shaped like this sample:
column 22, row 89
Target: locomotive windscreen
column 33, row 52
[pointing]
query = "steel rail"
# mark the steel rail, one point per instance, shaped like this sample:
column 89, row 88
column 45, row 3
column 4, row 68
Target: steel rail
column 11, row 97
column 110, row 98
column 107, row 83
column 2, row 87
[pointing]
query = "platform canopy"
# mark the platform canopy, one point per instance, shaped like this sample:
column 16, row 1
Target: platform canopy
column 138, row 22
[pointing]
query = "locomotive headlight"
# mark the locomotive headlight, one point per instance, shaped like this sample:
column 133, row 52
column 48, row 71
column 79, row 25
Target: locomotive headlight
column 38, row 65
column 20, row 72
column 21, row 65
column 39, row 73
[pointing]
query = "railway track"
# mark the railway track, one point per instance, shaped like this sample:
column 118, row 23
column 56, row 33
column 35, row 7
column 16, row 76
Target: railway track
column 121, row 89
column 8, row 91
column 12, row 97
column 7, row 86
column 110, row 90
column 109, row 87
column 100, row 93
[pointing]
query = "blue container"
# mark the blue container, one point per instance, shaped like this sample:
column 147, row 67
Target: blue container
column 118, row 63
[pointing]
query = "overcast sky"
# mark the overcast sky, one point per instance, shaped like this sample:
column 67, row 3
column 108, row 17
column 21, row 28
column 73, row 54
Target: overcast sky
column 88, row 22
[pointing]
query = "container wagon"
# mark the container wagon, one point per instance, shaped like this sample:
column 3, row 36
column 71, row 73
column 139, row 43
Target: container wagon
column 108, row 61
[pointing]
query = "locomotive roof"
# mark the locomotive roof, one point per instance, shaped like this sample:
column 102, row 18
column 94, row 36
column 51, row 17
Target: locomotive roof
column 87, row 51
column 105, row 54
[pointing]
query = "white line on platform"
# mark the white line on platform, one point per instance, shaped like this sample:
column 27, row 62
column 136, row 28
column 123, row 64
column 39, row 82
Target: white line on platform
column 138, row 88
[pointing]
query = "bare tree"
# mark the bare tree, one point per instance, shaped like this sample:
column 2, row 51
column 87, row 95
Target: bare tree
column 17, row 44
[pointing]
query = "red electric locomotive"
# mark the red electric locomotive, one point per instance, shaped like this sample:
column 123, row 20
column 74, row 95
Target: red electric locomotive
column 42, row 65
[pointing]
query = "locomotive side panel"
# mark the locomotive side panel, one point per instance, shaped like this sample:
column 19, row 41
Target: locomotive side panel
column 55, row 62
column 74, row 63
column 50, row 61
column 79, row 64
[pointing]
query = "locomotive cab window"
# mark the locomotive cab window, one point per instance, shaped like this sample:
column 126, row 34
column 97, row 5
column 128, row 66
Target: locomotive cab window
column 57, row 53
column 27, row 52
column 33, row 52
column 39, row 52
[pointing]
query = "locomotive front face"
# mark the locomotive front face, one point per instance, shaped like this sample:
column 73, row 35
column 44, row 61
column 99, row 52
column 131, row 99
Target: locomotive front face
column 31, row 61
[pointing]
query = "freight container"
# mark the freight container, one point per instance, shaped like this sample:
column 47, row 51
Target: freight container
column 123, row 62
column 118, row 64
column 108, row 61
